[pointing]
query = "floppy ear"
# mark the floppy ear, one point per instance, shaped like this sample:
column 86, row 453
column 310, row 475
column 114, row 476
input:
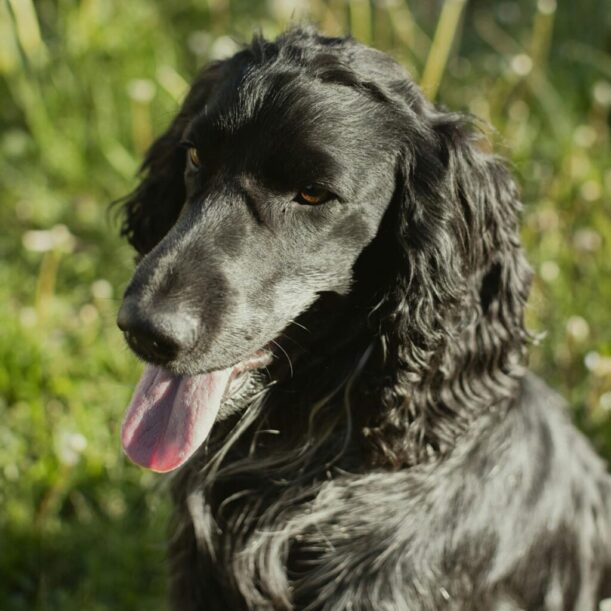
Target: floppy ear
column 153, row 207
column 453, row 311
column 459, row 233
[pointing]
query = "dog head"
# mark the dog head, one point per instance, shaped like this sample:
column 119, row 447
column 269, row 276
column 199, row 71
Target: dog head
column 267, row 191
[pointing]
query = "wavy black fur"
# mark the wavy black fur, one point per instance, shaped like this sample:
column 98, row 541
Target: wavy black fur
column 408, row 461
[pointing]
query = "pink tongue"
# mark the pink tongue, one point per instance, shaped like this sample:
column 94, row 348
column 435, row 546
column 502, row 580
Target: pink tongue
column 170, row 416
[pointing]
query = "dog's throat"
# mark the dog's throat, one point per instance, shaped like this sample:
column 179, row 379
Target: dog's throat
column 170, row 416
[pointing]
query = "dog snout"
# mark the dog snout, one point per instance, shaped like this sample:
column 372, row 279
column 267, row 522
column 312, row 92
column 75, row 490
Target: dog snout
column 157, row 336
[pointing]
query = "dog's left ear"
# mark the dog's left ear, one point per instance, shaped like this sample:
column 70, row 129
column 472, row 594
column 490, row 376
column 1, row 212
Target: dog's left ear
column 451, row 310
column 153, row 207
column 458, row 240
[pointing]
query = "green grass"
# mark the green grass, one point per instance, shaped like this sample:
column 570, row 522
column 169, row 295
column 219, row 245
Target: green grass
column 83, row 89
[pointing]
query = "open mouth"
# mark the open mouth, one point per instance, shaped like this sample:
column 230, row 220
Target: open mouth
column 170, row 416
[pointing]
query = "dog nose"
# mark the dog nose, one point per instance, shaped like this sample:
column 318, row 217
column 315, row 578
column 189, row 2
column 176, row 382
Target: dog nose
column 156, row 335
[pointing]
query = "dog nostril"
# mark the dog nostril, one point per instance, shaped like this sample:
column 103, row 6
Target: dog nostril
column 157, row 336
column 152, row 346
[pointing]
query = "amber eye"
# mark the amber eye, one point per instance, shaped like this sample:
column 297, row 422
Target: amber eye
column 194, row 157
column 313, row 195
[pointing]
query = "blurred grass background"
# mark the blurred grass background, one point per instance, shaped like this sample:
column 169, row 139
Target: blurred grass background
column 84, row 86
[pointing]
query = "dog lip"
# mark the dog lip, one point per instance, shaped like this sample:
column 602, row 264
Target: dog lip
column 258, row 360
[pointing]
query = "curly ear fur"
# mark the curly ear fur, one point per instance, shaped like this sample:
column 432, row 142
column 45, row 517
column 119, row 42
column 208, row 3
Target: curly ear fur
column 452, row 318
column 153, row 207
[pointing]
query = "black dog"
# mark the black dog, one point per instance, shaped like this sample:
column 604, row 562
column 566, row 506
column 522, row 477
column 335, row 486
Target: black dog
column 330, row 297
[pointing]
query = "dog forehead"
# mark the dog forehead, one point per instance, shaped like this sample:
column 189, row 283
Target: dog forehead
column 290, row 126
column 283, row 102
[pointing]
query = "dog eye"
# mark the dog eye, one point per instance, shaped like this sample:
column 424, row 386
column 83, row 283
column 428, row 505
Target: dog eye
column 313, row 195
column 193, row 157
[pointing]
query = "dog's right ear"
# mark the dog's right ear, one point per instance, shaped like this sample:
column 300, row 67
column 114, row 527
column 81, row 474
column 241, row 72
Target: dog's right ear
column 152, row 208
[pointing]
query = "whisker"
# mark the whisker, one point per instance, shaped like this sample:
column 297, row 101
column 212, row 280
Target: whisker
column 298, row 324
column 288, row 358
column 290, row 339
